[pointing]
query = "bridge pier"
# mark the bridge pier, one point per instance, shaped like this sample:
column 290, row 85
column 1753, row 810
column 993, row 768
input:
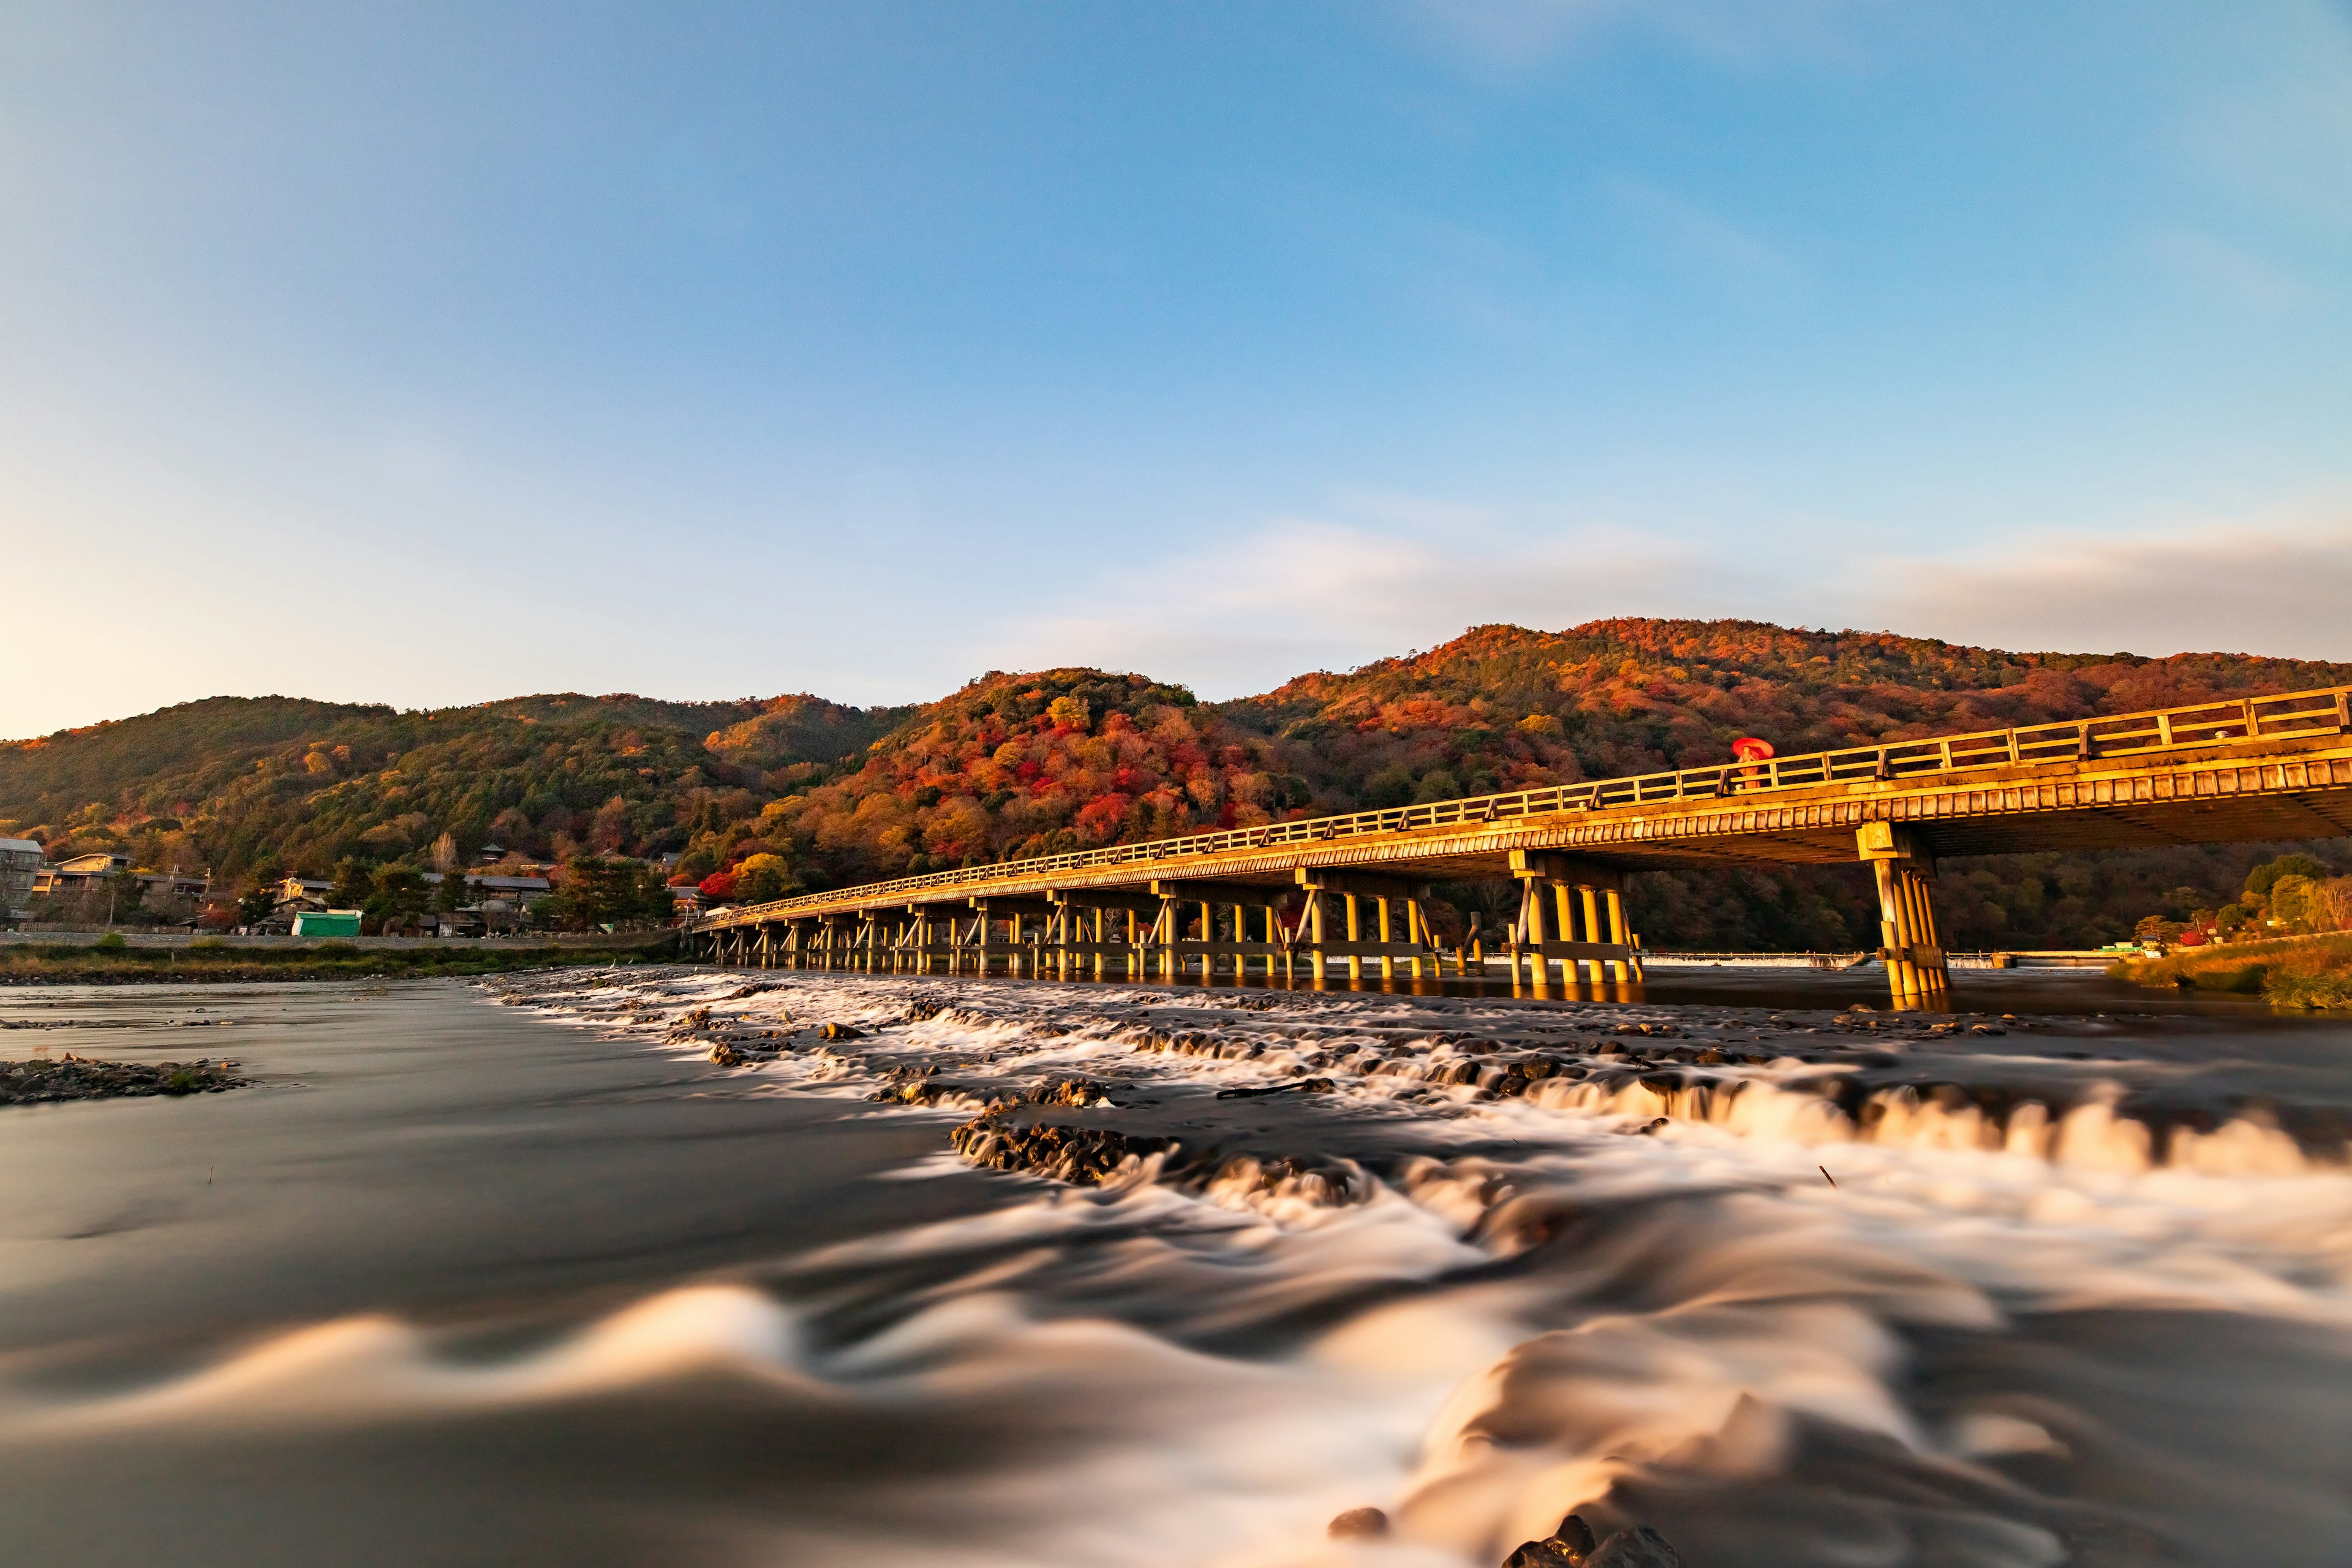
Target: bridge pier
column 1904, row 867
column 1585, row 949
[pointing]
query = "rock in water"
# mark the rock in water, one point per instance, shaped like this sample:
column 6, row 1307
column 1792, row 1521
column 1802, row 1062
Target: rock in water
column 726, row 1056
column 1640, row 1547
column 1359, row 1524
column 1570, row 1546
column 1573, row 1536
column 1539, row 1554
column 840, row 1032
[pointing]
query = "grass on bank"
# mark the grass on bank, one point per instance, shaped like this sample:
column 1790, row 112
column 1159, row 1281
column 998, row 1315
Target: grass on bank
column 2304, row 972
column 113, row 961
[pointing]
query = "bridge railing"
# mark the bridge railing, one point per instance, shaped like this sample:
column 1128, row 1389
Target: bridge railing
column 2234, row 722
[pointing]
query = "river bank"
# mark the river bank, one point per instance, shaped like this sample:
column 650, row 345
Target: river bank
column 203, row 962
column 2298, row 972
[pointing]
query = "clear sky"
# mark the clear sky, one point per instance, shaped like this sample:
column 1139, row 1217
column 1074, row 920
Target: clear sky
column 433, row 352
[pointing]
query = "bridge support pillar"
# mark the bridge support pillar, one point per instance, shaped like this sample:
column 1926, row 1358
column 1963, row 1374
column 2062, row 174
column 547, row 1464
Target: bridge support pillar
column 1585, row 947
column 1531, row 907
column 1905, row 867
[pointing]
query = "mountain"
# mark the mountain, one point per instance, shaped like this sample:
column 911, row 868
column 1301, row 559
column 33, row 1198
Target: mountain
column 1018, row 765
column 233, row 783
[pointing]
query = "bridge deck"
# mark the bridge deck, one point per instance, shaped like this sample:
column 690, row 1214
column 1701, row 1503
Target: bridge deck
column 2262, row 768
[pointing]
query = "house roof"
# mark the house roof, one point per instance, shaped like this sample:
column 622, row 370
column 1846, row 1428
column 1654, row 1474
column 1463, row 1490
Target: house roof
column 92, row 861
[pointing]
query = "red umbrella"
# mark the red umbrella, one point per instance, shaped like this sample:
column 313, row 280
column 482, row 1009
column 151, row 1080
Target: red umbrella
column 1748, row 749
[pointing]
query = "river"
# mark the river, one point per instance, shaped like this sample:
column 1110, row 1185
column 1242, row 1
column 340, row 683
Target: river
column 515, row 1274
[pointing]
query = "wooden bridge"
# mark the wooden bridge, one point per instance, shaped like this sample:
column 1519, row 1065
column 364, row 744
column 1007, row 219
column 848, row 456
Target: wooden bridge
column 1315, row 897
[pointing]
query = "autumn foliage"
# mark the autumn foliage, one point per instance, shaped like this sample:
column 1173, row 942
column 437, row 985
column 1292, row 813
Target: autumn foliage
column 764, row 797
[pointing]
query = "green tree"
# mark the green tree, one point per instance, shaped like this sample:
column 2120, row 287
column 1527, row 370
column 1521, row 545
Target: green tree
column 596, row 891
column 2264, row 876
column 261, row 896
column 126, row 899
column 2293, row 901
column 454, row 891
column 354, row 884
column 1391, row 785
column 400, row 895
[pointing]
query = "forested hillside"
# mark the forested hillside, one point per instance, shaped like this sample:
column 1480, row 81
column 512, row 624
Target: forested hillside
column 796, row 792
column 233, row 784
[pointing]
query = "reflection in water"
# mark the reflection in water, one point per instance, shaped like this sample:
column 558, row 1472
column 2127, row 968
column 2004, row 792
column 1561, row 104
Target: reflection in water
column 497, row 1285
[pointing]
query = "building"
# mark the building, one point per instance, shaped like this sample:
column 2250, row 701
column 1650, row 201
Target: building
column 20, row 868
column 174, row 884
column 77, row 871
column 303, row 892
column 506, row 900
column 451, row 922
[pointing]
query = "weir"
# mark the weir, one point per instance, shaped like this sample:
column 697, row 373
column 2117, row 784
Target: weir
column 1321, row 899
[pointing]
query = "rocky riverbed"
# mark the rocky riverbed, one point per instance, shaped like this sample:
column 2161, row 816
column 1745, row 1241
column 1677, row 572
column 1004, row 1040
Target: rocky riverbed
column 1812, row 1266
column 1242, row 1084
column 39, row 1080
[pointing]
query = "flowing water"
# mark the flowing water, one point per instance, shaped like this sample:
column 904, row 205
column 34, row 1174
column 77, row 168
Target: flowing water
column 463, row 1282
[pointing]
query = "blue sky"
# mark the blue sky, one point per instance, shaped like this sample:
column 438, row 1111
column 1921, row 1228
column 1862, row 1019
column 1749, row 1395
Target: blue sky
column 436, row 353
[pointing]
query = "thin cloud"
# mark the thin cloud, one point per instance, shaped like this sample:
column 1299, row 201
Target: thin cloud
column 2274, row 585
column 1303, row 593
column 1300, row 594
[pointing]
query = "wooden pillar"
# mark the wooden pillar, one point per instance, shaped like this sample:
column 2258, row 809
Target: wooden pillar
column 1532, row 907
column 1591, row 899
column 1890, row 928
column 1380, row 923
column 1564, row 907
column 1620, row 970
column 1929, row 957
column 1904, row 865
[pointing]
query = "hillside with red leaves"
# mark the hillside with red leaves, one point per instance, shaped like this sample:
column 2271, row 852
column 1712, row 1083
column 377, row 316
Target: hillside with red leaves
column 796, row 792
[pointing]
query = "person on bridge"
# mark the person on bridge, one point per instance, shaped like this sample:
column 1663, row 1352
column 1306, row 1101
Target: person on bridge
column 1748, row 749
